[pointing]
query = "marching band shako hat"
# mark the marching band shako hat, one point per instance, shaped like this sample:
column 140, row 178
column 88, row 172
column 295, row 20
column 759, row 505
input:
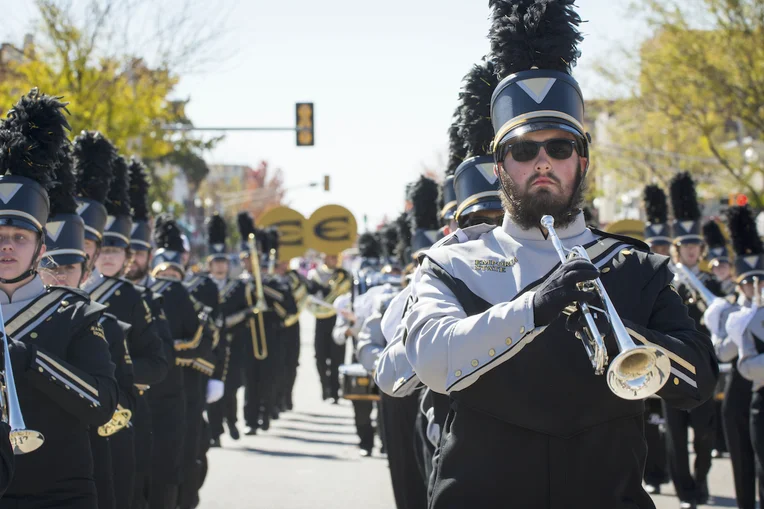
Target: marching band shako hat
column 31, row 140
column 457, row 152
column 424, row 223
column 65, row 230
column 684, row 201
column 717, row 244
column 749, row 250
column 94, row 169
column 169, row 243
column 403, row 246
column 140, row 236
column 119, row 222
column 270, row 242
column 657, row 231
column 388, row 240
column 448, row 199
column 534, row 45
column 217, row 231
column 475, row 182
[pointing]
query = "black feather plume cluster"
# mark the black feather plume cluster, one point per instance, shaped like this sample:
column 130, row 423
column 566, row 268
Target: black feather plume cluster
column 246, row 225
column 457, row 150
column 368, row 245
column 217, row 230
column 424, row 198
column 476, row 129
column 742, row 226
column 62, row 200
column 93, row 165
column 167, row 234
column 31, row 137
column 403, row 249
column 139, row 190
column 655, row 204
column 534, row 33
column 118, row 199
column 713, row 236
column 388, row 240
column 684, row 199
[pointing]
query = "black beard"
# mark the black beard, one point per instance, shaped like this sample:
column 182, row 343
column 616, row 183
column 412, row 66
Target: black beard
column 527, row 211
column 137, row 274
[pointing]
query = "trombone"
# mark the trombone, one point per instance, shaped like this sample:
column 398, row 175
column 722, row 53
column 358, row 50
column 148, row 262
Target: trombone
column 637, row 372
column 260, row 346
column 272, row 262
column 23, row 440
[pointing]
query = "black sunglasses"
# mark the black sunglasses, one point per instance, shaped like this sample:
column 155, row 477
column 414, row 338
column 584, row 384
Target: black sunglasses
column 526, row 150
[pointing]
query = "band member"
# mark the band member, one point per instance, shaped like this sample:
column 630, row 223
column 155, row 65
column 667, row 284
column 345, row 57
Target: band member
column 236, row 312
column 298, row 286
column 161, row 348
column 658, row 238
column 58, row 351
column 274, row 303
column 329, row 355
column 65, row 264
column 177, row 404
column 690, row 488
column 487, row 325
column 736, row 406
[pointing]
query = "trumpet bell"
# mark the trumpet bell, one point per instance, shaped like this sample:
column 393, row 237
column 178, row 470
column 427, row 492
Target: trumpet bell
column 639, row 372
column 25, row 440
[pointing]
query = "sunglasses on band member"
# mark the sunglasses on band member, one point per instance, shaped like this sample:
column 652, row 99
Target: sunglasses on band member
column 474, row 220
column 526, row 150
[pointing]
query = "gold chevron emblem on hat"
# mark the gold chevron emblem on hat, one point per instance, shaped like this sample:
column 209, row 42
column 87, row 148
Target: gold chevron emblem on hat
column 486, row 169
column 82, row 207
column 8, row 191
column 54, row 229
column 109, row 221
column 537, row 88
column 751, row 260
column 658, row 228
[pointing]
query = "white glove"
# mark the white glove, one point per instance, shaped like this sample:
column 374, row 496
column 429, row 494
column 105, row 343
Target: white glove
column 713, row 315
column 433, row 428
column 215, row 389
column 737, row 323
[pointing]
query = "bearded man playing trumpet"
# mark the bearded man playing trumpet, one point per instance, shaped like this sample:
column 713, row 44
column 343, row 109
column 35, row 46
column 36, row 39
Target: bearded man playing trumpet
column 531, row 424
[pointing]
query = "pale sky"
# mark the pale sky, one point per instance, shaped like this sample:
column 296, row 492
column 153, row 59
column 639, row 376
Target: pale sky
column 384, row 77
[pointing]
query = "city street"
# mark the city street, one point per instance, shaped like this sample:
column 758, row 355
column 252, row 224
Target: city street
column 309, row 459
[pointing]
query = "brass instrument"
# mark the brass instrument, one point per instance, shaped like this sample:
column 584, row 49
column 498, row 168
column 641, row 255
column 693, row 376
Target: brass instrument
column 22, row 440
column 120, row 420
column 686, row 275
column 339, row 284
column 637, row 372
column 272, row 261
column 261, row 346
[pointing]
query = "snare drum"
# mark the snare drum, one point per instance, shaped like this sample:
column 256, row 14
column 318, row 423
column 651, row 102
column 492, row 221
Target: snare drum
column 357, row 384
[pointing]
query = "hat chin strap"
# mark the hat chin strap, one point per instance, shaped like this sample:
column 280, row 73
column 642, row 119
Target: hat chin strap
column 31, row 271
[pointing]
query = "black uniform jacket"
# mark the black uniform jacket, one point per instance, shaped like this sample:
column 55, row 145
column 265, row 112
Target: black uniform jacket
column 206, row 298
column 67, row 386
column 126, row 302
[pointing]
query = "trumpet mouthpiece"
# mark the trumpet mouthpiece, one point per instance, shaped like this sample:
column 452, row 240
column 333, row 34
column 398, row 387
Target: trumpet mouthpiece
column 547, row 222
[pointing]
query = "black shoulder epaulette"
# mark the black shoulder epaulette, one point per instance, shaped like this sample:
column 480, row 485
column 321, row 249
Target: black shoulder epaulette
column 623, row 238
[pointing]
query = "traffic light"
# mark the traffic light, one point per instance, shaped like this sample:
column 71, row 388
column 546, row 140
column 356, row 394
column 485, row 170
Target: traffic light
column 738, row 199
column 304, row 114
column 326, row 182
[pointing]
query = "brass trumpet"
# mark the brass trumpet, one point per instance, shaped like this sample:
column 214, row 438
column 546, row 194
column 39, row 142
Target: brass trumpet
column 692, row 280
column 23, row 440
column 637, row 372
column 259, row 343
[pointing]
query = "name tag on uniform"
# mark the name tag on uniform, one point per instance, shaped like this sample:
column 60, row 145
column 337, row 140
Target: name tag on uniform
column 494, row 265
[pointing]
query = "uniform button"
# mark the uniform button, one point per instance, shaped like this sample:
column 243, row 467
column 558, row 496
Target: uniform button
column 625, row 252
column 458, row 373
column 605, row 270
column 64, row 302
column 522, row 330
column 676, row 381
column 39, row 369
column 475, row 363
column 49, row 319
column 117, row 293
column 491, row 352
column 508, row 341
column 33, row 335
